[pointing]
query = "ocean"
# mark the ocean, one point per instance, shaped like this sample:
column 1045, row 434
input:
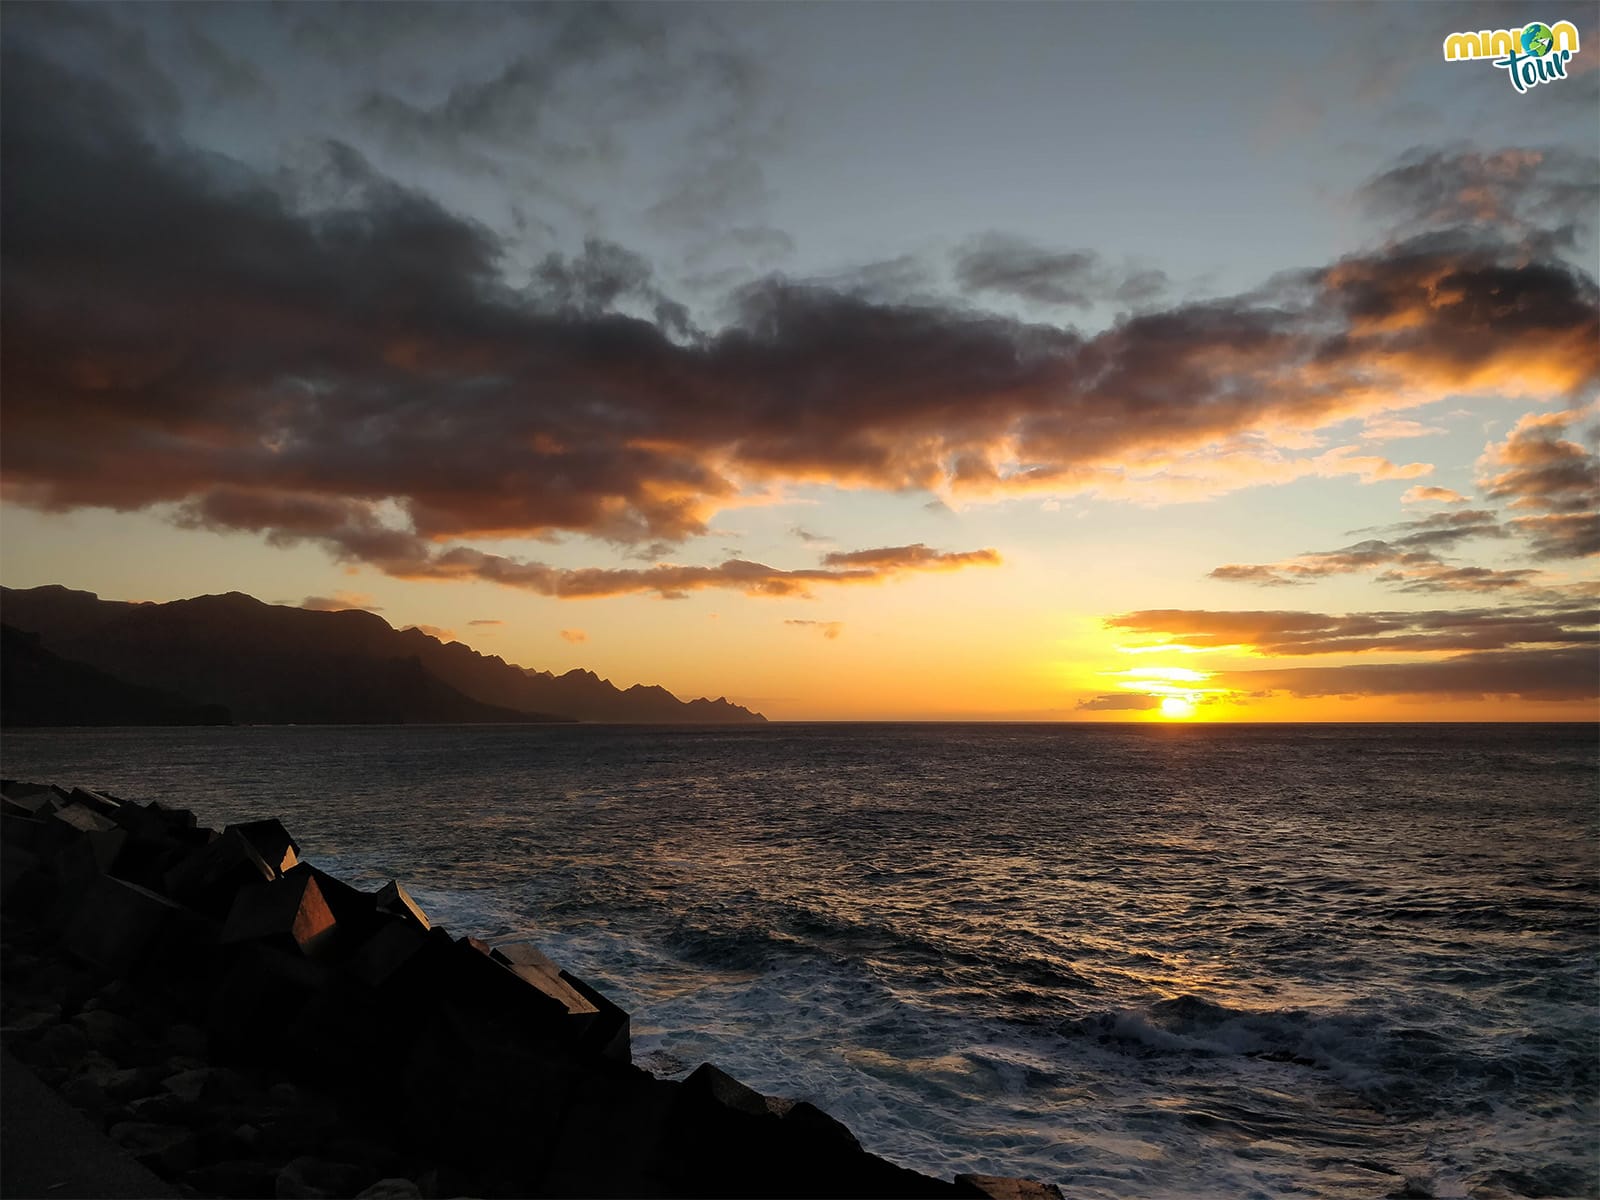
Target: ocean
column 1136, row 961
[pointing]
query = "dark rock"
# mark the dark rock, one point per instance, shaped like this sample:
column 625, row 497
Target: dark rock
column 290, row 913
column 61, row 1046
column 258, row 999
column 167, row 1149
column 187, row 1039
column 211, row 1086
column 355, row 911
column 391, row 1189
column 721, row 1135
column 119, row 926
column 388, row 949
column 610, row 1032
column 107, row 1030
column 26, row 886
column 31, row 799
column 241, row 1178
column 82, row 818
column 85, row 1095
column 1001, row 1187
column 100, row 802
column 271, row 841
column 163, row 1108
column 308, row 1176
column 21, row 831
column 397, row 902
column 530, row 965
column 208, row 879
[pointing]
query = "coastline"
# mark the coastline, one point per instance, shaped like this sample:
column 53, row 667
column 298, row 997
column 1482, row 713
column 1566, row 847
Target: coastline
column 244, row 1024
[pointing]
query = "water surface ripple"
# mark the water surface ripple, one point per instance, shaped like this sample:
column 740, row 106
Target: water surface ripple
column 1137, row 961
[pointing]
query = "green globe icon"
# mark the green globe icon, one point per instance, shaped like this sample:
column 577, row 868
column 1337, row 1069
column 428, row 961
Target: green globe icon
column 1537, row 40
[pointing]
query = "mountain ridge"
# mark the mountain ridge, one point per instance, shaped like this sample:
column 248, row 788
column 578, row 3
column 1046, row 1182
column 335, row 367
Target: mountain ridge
column 276, row 664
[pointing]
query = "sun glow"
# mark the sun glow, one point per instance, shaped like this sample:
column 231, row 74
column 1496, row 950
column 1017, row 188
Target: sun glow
column 1176, row 708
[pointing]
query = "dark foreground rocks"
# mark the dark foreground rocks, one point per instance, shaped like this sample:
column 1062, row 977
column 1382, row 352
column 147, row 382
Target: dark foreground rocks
column 244, row 1024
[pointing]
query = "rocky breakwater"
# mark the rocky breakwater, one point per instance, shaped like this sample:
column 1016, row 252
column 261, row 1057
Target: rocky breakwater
column 248, row 1025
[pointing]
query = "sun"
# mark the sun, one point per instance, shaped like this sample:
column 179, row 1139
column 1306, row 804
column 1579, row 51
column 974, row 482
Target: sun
column 1176, row 708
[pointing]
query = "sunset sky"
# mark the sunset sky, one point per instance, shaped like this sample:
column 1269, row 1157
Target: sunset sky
column 1033, row 362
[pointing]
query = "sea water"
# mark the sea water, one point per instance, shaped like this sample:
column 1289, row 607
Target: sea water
column 1135, row 961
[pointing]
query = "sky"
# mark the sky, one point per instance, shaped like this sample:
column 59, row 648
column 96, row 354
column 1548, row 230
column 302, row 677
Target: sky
column 1060, row 362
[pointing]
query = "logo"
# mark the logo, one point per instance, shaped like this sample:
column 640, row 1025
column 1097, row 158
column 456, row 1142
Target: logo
column 1537, row 53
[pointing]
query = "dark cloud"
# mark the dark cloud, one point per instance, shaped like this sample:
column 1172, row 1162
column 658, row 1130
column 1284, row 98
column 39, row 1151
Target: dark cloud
column 1564, row 674
column 828, row 629
column 486, row 621
column 348, row 365
column 1432, row 495
column 1410, row 548
column 574, row 635
column 1119, row 702
column 1013, row 266
column 1553, row 481
column 1437, row 577
column 1546, row 193
column 917, row 557
column 1567, row 623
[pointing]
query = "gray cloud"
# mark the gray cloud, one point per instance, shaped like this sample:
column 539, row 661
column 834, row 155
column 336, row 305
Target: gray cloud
column 1012, row 266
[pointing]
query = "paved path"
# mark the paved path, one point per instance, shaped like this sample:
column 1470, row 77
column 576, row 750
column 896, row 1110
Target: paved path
column 48, row 1149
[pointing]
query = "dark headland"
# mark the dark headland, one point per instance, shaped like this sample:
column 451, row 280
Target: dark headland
column 244, row 1024
column 72, row 658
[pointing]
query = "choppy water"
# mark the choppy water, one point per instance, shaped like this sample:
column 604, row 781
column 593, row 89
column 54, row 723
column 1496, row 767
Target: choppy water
column 1137, row 961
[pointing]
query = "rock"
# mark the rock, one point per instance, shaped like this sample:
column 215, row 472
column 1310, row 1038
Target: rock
column 185, row 1039
column 258, row 999
column 118, row 923
column 107, row 1030
column 533, row 968
column 100, row 802
column 308, row 1176
column 167, row 1149
column 271, row 841
column 81, row 818
column 23, row 832
column 208, row 879
column 720, row 1135
column 30, row 1024
column 1000, row 1187
column 289, row 912
column 241, row 1178
column 610, row 1033
column 390, row 1189
column 386, row 951
column 163, row 1108
column 85, row 1095
column 210, row 1086
column 397, row 902
column 32, row 799
column 26, row 883
column 120, row 1084
column 77, row 864
column 62, row 1046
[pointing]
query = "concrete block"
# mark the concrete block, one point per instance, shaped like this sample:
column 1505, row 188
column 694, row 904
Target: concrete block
column 208, row 878
column 271, row 841
column 101, row 802
column 610, row 1033
column 116, row 923
column 290, row 911
column 397, row 902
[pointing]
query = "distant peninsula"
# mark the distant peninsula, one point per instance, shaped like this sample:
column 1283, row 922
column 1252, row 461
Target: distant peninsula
column 72, row 658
